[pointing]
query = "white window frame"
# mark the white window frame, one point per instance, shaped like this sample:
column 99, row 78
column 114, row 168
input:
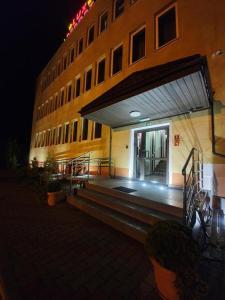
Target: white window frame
column 157, row 25
column 131, row 44
column 112, row 60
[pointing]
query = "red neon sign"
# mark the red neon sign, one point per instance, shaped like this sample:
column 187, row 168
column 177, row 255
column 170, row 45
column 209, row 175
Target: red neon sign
column 79, row 15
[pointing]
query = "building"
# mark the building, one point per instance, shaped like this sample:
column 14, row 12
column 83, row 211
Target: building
column 141, row 82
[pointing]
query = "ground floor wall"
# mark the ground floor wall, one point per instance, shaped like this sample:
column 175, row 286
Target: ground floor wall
column 185, row 132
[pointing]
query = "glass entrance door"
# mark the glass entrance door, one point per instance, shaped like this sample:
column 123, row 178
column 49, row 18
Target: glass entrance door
column 151, row 154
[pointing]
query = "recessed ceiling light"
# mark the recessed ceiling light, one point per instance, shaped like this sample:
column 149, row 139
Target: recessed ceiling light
column 135, row 114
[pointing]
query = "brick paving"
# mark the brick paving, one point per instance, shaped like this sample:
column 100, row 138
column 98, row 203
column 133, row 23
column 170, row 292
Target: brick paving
column 56, row 253
column 61, row 253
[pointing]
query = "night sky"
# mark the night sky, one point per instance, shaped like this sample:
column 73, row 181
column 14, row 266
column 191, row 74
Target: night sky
column 31, row 31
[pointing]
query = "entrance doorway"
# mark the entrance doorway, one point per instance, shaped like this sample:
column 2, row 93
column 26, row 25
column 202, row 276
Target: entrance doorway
column 151, row 154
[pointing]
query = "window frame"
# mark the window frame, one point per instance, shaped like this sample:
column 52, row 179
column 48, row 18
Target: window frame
column 85, row 78
column 99, row 22
column 82, row 132
column 157, row 16
column 69, row 87
column 78, row 77
column 132, row 34
column 102, row 58
column 112, row 60
column 78, row 46
column 114, row 10
column 88, row 34
column 97, row 138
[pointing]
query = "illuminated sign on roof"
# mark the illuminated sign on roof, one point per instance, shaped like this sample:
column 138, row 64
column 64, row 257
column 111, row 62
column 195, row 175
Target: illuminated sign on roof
column 79, row 15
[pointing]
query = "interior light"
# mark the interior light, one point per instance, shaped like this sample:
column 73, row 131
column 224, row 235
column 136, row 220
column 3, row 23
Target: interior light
column 145, row 120
column 135, row 113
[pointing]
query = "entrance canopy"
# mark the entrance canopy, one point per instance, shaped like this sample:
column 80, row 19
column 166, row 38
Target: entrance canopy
column 167, row 90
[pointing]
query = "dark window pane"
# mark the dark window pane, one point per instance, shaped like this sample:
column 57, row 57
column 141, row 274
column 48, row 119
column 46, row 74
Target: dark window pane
column 119, row 8
column 85, row 129
column 77, row 92
column 88, row 80
column 103, row 22
column 69, row 93
column 65, row 63
column 80, row 46
column 167, row 27
column 117, row 60
column 91, row 33
column 62, row 97
column 138, row 47
column 98, row 130
column 101, row 71
column 59, row 134
column 72, row 55
column 75, row 131
column 66, row 133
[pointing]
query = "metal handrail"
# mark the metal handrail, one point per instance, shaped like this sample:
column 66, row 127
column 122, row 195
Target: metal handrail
column 195, row 184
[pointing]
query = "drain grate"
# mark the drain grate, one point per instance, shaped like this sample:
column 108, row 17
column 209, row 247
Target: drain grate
column 124, row 189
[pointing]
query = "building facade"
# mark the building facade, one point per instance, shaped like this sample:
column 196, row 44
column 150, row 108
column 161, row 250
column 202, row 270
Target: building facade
column 139, row 82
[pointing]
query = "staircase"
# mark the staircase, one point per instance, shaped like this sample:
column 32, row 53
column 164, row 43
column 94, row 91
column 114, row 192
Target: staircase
column 129, row 214
column 160, row 169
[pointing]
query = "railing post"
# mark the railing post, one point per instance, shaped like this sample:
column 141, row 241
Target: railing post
column 71, row 177
column 89, row 165
column 185, row 200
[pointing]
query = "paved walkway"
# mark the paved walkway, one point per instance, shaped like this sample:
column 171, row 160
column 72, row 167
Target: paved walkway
column 61, row 253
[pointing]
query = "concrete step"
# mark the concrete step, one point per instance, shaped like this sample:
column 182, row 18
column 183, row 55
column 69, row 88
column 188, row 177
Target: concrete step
column 127, row 225
column 147, row 203
column 135, row 211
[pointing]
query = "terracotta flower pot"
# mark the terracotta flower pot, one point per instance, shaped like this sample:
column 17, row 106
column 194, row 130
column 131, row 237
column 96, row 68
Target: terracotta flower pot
column 55, row 197
column 165, row 281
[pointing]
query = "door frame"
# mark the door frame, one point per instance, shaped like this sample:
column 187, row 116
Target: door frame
column 133, row 149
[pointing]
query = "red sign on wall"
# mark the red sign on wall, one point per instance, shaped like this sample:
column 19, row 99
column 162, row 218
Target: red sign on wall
column 79, row 15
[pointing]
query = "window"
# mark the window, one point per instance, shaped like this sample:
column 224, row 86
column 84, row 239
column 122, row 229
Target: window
column 56, row 102
column 118, row 8
column 117, row 59
column 98, row 130
column 59, row 68
column 54, row 136
column 80, row 46
column 103, row 22
column 77, row 86
column 88, row 78
column 62, row 98
column 48, row 137
column 65, row 63
column 75, row 126
column 85, row 129
column 59, row 134
column 100, row 71
column 166, row 26
column 137, row 45
column 69, row 92
column 66, row 133
column 72, row 55
column 90, row 35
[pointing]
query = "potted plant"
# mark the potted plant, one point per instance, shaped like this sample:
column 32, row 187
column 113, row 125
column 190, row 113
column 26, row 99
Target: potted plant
column 55, row 193
column 175, row 255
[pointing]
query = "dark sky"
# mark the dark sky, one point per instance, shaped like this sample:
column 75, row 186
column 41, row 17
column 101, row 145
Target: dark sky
column 30, row 33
